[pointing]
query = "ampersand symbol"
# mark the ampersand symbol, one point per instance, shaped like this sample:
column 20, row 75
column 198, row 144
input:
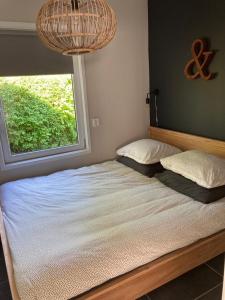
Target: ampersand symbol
column 200, row 62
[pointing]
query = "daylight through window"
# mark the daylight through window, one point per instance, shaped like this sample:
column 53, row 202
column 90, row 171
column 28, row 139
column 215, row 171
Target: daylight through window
column 42, row 108
column 39, row 112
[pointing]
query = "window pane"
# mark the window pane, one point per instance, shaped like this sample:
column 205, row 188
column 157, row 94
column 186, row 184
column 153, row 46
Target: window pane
column 39, row 112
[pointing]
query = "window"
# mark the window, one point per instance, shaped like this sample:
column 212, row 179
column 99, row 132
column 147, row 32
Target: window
column 42, row 102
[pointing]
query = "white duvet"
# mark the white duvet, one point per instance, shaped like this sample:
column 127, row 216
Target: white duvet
column 76, row 229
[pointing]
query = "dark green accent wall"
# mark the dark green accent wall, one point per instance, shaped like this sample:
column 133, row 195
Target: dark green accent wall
column 192, row 106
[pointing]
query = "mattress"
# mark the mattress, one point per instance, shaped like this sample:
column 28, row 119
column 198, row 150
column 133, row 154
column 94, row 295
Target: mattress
column 73, row 230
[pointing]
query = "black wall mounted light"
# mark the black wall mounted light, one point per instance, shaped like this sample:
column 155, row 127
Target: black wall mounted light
column 152, row 99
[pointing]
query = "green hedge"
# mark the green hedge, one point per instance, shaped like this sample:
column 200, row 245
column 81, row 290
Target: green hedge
column 33, row 123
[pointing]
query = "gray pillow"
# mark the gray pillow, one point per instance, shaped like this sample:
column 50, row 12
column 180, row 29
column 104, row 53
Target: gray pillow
column 148, row 170
column 189, row 188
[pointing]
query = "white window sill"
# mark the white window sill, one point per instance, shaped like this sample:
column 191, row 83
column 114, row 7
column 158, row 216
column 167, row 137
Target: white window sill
column 46, row 159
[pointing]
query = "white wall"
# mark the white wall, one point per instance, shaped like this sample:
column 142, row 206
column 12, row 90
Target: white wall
column 117, row 83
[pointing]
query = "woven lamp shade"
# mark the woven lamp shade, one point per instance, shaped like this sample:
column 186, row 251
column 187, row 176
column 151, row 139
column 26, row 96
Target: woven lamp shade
column 76, row 26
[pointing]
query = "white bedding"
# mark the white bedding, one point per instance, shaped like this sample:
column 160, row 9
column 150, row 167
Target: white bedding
column 76, row 229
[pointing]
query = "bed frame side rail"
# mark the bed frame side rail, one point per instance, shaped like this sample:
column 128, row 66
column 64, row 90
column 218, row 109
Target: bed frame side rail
column 8, row 259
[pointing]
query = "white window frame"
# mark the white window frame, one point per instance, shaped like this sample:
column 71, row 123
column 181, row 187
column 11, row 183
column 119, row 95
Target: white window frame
column 8, row 161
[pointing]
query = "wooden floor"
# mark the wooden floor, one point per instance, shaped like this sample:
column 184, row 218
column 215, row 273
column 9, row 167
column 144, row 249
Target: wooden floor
column 202, row 283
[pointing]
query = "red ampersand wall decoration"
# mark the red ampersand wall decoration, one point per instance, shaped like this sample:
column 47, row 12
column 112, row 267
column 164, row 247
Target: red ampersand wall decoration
column 198, row 66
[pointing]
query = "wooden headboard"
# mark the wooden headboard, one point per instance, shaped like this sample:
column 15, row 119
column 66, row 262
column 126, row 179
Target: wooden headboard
column 186, row 141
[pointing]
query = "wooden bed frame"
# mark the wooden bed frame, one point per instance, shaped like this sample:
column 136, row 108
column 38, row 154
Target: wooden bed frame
column 151, row 276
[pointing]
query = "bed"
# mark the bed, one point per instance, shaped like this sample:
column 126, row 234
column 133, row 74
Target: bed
column 81, row 255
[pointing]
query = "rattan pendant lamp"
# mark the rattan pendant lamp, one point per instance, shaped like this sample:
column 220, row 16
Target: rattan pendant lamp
column 76, row 26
